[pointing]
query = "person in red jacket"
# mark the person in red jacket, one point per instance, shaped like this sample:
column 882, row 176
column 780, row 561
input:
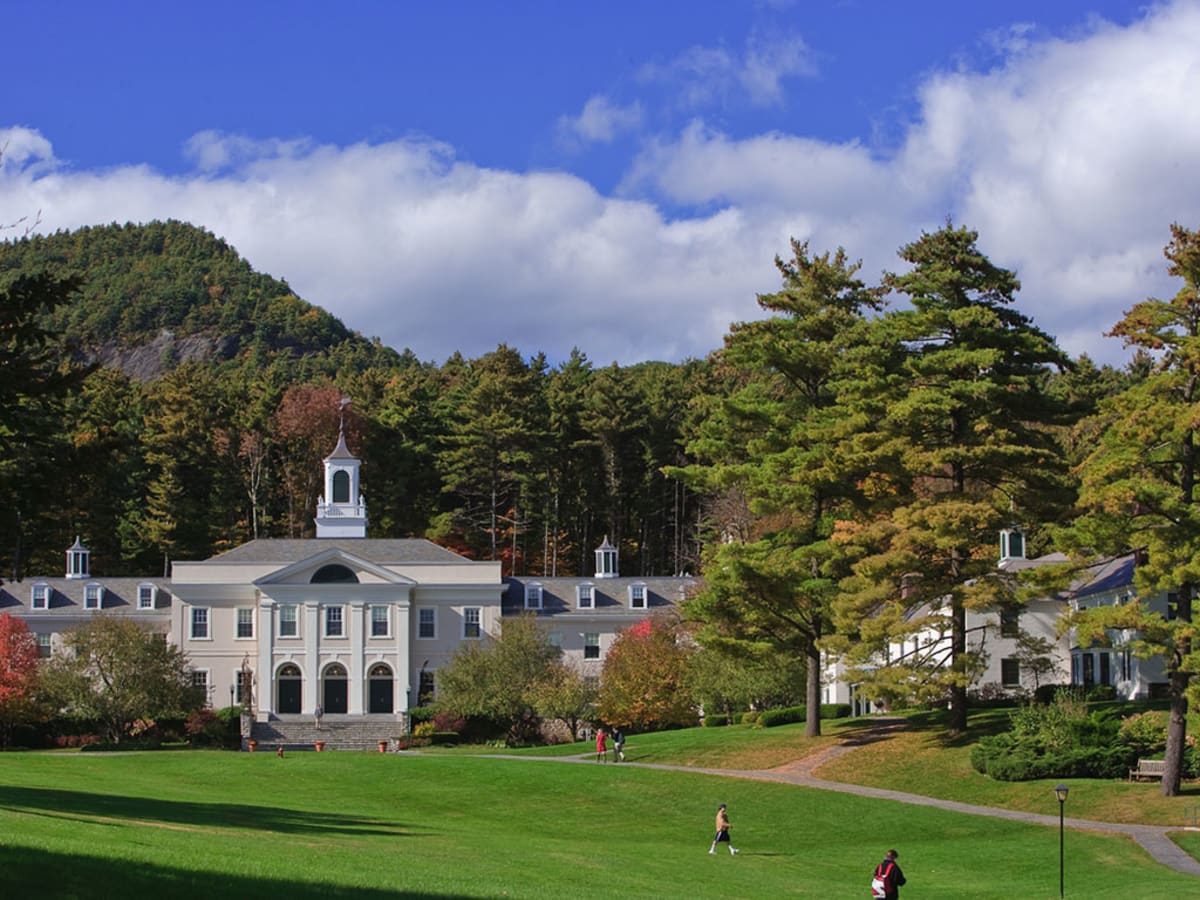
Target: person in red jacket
column 601, row 746
column 888, row 872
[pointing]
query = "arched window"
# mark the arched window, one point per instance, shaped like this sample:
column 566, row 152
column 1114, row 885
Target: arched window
column 341, row 487
column 334, row 573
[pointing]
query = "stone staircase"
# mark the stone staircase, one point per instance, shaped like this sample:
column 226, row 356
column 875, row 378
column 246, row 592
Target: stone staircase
column 338, row 732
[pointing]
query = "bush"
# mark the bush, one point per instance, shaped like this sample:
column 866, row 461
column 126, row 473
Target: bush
column 206, row 729
column 1102, row 692
column 1145, row 733
column 835, row 710
column 444, row 737
column 716, row 720
column 786, row 716
column 751, row 718
column 1046, row 693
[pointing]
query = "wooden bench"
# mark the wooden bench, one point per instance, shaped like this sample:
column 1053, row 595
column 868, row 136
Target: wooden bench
column 1148, row 768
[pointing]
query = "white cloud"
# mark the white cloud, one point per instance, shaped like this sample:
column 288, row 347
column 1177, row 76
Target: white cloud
column 1071, row 160
column 703, row 76
column 600, row 122
column 405, row 242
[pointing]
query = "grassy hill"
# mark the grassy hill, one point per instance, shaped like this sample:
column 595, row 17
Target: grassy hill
column 233, row 825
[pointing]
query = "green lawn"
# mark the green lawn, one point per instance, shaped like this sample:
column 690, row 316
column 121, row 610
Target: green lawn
column 211, row 824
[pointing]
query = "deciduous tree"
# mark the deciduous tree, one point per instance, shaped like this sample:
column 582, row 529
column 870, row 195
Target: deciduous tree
column 116, row 672
column 18, row 675
column 497, row 679
column 644, row 683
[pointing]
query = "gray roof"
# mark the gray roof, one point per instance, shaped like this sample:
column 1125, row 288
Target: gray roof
column 610, row 595
column 67, row 594
column 377, row 550
column 1111, row 574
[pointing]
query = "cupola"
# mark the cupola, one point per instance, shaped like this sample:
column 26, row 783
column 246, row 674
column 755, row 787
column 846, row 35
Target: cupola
column 78, row 565
column 606, row 560
column 341, row 512
column 1012, row 543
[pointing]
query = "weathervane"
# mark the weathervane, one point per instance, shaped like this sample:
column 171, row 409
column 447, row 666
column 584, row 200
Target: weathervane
column 342, row 404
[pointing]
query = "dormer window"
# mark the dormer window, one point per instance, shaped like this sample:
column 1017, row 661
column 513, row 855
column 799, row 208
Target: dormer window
column 533, row 596
column 147, row 595
column 637, row 596
column 39, row 596
column 93, row 596
column 586, row 597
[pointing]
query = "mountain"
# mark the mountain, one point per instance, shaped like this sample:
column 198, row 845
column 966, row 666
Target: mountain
column 156, row 295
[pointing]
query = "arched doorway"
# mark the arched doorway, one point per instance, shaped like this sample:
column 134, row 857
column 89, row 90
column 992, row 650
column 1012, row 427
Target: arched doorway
column 379, row 689
column 333, row 689
column 288, row 682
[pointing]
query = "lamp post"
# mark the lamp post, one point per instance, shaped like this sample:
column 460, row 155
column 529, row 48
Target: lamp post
column 1061, row 793
column 231, row 696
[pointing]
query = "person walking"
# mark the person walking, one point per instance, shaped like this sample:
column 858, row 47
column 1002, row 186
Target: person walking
column 888, row 878
column 601, row 745
column 618, row 745
column 722, row 835
column 317, row 713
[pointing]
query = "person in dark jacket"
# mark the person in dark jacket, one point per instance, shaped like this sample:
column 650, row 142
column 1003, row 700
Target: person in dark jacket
column 889, row 873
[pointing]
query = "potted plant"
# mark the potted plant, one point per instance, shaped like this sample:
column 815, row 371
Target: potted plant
column 383, row 745
column 320, row 745
column 251, row 745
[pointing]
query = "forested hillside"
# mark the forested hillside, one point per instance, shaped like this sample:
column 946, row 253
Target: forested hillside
column 204, row 395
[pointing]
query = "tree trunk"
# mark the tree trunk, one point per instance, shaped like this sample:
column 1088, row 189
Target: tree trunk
column 812, row 694
column 958, row 643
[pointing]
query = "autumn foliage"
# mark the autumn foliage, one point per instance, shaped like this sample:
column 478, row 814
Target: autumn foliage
column 644, row 685
column 18, row 674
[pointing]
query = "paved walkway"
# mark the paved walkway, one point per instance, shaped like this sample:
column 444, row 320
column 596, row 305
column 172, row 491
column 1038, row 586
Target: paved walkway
column 1152, row 838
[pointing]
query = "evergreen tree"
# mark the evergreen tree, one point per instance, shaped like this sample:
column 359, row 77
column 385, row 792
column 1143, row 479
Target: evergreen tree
column 1139, row 488
column 775, row 442
column 956, row 442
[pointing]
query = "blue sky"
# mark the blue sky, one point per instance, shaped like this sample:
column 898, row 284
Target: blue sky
column 615, row 176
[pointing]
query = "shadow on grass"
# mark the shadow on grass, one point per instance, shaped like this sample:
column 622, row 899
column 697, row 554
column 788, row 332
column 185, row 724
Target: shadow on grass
column 39, row 873
column 90, row 807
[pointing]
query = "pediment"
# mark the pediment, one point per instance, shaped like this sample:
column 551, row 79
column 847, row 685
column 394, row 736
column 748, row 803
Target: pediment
column 303, row 571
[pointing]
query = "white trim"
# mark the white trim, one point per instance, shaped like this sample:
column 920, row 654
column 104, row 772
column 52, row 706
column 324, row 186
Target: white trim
column 588, row 591
column 192, row 616
column 341, row 621
column 147, row 595
column 635, row 602
column 39, row 595
column 294, row 609
column 433, row 614
column 533, row 595
column 93, row 595
column 387, row 621
column 237, row 623
column 477, row 623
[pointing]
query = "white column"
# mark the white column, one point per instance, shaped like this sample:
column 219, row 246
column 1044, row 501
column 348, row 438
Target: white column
column 312, row 658
column 357, row 685
column 264, row 673
column 403, row 685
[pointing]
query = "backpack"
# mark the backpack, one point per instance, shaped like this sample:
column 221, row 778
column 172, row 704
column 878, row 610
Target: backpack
column 881, row 884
